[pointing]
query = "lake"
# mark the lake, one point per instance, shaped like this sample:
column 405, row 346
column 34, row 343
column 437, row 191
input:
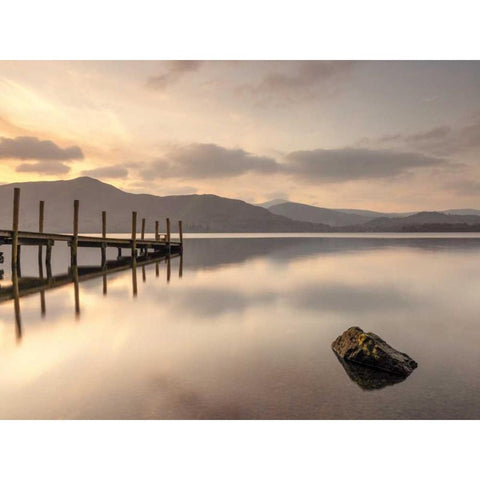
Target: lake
column 242, row 329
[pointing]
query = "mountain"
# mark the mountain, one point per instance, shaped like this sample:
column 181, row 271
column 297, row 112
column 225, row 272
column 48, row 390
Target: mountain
column 463, row 211
column 373, row 214
column 272, row 203
column 200, row 213
column 423, row 221
column 337, row 217
column 309, row 213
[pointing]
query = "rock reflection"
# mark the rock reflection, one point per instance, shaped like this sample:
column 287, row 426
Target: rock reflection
column 369, row 378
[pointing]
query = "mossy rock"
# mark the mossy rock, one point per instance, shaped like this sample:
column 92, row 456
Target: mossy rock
column 368, row 349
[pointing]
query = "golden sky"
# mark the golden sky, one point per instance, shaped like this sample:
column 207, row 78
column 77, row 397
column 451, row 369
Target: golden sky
column 392, row 136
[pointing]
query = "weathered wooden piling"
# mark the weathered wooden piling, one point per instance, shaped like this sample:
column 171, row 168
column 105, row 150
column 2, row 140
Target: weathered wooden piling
column 104, row 236
column 41, row 211
column 48, row 258
column 180, row 231
column 143, row 250
column 156, row 230
column 16, row 211
column 74, row 242
column 168, row 235
column 41, row 207
column 134, row 234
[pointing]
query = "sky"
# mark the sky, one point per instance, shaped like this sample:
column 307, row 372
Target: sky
column 390, row 136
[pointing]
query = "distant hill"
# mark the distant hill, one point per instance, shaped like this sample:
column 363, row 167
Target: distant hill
column 272, row 203
column 309, row 213
column 200, row 213
column 463, row 211
column 373, row 214
column 423, row 221
column 339, row 218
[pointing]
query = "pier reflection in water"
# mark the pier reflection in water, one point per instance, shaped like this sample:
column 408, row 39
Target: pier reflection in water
column 22, row 286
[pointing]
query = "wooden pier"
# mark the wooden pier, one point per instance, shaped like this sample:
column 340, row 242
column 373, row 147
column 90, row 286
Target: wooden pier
column 16, row 238
column 140, row 251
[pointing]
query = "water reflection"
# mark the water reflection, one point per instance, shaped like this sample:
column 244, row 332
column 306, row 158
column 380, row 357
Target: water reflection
column 368, row 378
column 246, row 333
column 23, row 286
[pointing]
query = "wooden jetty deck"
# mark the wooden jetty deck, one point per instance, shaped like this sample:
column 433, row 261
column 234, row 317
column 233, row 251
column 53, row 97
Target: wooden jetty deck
column 16, row 238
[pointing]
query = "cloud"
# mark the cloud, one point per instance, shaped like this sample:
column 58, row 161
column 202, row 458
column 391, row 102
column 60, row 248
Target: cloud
column 32, row 148
column 175, row 71
column 464, row 187
column 43, row 167
column 441, row 140
column 201, row 160
column 310, row 78
column 347, row 164
column 114, row 171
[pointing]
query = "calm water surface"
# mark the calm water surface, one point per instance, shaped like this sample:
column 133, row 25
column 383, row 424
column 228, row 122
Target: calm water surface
column 245, row 333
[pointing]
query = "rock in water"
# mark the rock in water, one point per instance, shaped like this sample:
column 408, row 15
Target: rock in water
column 354, row 345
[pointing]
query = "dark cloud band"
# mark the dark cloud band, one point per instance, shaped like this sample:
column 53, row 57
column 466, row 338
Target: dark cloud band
column 31, row 148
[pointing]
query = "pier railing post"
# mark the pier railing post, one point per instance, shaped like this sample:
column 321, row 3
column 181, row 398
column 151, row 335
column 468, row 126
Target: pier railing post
column 180, row 232
column 40, row 228
column 16, row 210
column 144, row 250
column 41, row 209
column 74, row 245
column 104, row 236
column 134, row 234
column 156, row 229
column 168, row 234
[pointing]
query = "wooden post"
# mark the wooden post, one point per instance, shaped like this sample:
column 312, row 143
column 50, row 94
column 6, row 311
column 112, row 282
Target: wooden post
column 19, row 268
column 144, row 250
column 48, row 258
column 168, row 269
column 104, row 236
column 16, row 210
column 168, row 235
column 180, row 266
column 156, row 229
column 74, row 244
column 134, row 234
column 104, row 224
column 40, row 228
column 144, row 274
column 180, row 231
column 41, row 215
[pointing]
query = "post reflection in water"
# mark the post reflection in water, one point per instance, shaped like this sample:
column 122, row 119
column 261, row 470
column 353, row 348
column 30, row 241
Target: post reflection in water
column 76, row 290
column 16, row 303
column 30, row 285
column 43, row 307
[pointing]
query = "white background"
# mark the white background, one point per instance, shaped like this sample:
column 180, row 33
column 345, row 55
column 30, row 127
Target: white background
column 238, row 30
